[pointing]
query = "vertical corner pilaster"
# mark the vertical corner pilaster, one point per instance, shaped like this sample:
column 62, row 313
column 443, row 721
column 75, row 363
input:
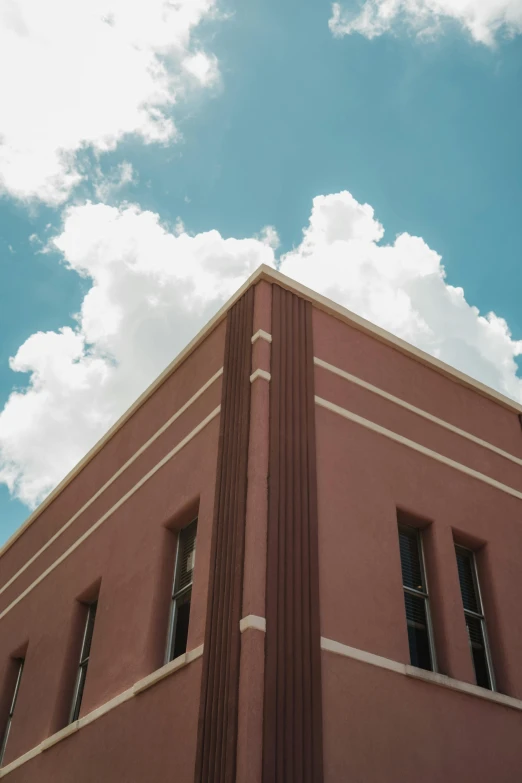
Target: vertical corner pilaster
column 292, row 734
column 218, row 717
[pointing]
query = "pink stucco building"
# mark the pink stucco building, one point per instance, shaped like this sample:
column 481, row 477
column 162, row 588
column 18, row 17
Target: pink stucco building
column 296, row 558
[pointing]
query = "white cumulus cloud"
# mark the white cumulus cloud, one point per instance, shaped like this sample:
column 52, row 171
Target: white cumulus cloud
column 402, row 288
column 484, row 20
column 84, row 74
column 107, row 186
column 152, row 288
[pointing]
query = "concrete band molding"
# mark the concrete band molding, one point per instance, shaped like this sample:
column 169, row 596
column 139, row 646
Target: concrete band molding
column 116, row 475
column 219, row 702
column 259, row 373
column 114, row 508
column 252, row 622
column 292, row 729
column 266, row 273
column 138, row 687
column 396, row 400
column 413, row 408
column 163, row 726
column 371, row 425
column 260, row 334
column 433, row 678
column 392, row 398
column 323, row 403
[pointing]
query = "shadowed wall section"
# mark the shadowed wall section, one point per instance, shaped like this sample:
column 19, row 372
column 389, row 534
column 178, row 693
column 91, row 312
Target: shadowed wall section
column 292, row 742
column 217, row 729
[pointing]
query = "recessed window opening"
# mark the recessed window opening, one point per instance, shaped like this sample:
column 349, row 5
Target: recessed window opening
column 182, row 592
column 20, row 667
column 85, row 654
column 474, row 616
column 416, row 599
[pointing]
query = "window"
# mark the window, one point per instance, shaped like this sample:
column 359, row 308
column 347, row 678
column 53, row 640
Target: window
column 20, row 667
column 84, row 662
column 420, row 634
column 182, row 592
column 474, row 616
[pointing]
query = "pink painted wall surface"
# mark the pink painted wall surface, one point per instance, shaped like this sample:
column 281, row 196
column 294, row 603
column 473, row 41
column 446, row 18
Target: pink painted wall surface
column 381, row 726
column 251, row 681
column 150, row 738
column 386, row 367
column 167, row 399
column 131, row 557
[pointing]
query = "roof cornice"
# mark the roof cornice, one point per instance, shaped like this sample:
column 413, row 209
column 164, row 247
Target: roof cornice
column 269, row 275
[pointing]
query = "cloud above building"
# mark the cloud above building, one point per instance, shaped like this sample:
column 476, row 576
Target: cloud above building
column 484, row 20
column 83, row 75
column 151, row 287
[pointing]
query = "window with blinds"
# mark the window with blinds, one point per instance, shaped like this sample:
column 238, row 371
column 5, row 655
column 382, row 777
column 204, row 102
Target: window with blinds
column 19, row 669
column 84, row 662
column 474, row 616
column 416, row 599
column 182, row 592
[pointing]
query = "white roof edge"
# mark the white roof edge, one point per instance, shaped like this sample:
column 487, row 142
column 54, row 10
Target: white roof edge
column 149, row 391
column 338, row 311
column 270, row 275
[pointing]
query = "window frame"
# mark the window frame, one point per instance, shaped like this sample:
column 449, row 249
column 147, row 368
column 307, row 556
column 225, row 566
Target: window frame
column 423, row 594
column 7, row 730
column 83, row 665
column 480, row 616
column 179, row 593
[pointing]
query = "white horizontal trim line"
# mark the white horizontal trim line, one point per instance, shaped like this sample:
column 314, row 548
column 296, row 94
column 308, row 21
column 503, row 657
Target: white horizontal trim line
column 166, row 670
column 113, row 478
column 256, row 277
column 138, row 687
column 115, row 507
column 362, row 655
column 252, row 622
column 341, row 313
column 71, row 728
column 271, row 276
column 20, row 760
column 418, row 411
column 260, row 374
column 261, row 335
column 259, row 623
column 371, row 425
column 419, row 674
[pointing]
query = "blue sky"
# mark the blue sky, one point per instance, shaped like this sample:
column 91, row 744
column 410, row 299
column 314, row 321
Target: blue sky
column 418, row 116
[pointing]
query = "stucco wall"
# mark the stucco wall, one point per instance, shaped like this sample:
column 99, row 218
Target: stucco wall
column 149, row 738
column 130, row 557
column 381, row 726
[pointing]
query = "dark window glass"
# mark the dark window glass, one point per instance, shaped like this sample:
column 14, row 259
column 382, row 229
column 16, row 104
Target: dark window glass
column 467, row 582
column 410, row 560
column 84, row 662
column 182, row 592
column 418, row 636
column 20, row 667
column 474, row 616
column 182, row 625
column 478, row 651
column 416, row 600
